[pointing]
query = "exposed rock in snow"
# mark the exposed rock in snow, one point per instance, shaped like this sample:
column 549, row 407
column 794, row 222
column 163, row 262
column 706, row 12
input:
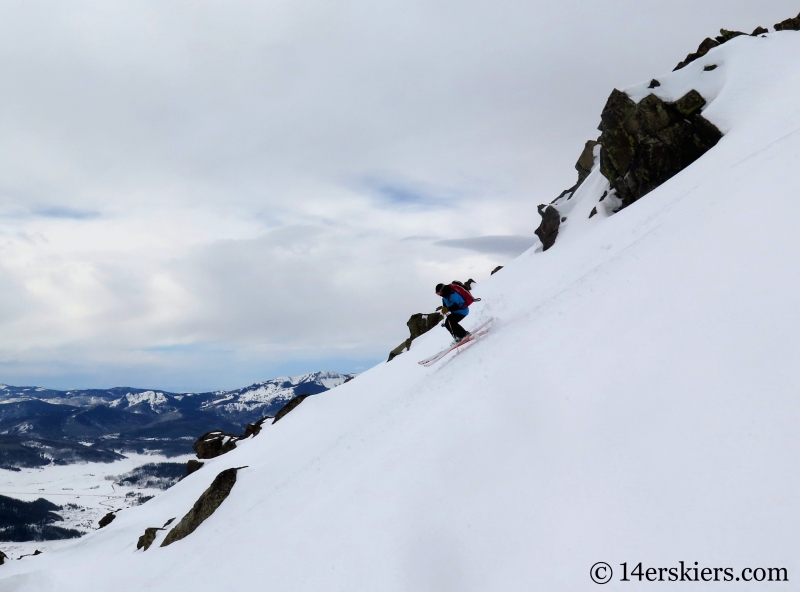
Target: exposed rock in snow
column 585, row 161
column 205, row 505
column 418, row 324
column 646, row 143
column 193, row 465
column 548, row 228
column 708, row 44
column 106, row 520
column 289, row 407
column 147, row 539
column 214, row 443
column 790, row 24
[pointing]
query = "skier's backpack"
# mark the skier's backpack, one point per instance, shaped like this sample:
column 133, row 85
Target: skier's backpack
column 464, row 293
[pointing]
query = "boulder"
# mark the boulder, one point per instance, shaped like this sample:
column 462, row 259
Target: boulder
column 3, row 558
column 289, row 406
column 193, row 465
column 645, row 144
column 106, row 520
column 205, row 505
column 548, row 228
column 709, row 67
column 496, row 269
column 217, row 442
column 654, row 83
column 759, row 31
column 214, row 443
column 147, row 538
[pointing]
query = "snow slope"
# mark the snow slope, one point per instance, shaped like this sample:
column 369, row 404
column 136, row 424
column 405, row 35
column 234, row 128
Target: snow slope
column 636, row 401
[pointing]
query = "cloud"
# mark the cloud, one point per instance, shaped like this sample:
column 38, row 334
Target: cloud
column 500, row 245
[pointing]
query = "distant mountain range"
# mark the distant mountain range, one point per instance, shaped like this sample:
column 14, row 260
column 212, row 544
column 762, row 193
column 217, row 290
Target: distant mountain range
column 41, row 426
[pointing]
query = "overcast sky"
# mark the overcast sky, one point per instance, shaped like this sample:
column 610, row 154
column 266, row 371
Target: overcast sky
column 199, row 195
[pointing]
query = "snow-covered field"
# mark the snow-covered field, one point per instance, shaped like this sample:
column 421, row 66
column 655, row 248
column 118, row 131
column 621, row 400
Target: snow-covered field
column 86, row 492
column 635, row 401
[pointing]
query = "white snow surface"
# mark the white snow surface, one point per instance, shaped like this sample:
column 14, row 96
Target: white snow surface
column 636, row 400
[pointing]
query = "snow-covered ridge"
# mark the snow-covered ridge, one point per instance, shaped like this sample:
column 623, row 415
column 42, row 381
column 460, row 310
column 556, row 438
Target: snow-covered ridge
column 152, row 398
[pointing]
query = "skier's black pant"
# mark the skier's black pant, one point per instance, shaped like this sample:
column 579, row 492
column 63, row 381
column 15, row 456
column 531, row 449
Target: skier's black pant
column 452, row 324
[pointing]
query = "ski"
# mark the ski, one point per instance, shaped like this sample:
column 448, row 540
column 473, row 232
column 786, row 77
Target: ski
column 477, row 332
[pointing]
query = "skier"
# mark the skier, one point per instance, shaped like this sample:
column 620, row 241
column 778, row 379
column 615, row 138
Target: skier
column 456, row 304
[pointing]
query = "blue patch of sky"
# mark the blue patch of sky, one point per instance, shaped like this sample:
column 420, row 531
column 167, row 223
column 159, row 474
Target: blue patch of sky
column 405, row 194
column 67, row 213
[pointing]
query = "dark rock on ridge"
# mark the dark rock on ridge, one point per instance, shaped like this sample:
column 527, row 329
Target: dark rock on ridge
column 707, row 45
column 496, row 269
column 709, row 67
column 193, row 465
column 790, row 24
column 216, row 443
column 205, row 505
column 759, row 31
column 726, row 35
column 3, row 558
column 548, row 229
column 106, row 520
column 644, row 144
column 283, row 411
column 654, row 83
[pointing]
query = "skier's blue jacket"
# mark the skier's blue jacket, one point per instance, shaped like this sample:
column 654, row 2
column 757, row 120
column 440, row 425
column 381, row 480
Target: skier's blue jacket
column 455, row 303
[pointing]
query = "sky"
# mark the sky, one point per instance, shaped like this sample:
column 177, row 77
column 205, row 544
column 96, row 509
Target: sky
column 201, row 195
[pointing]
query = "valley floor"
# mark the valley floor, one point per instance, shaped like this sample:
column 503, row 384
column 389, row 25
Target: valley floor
column 85, row 491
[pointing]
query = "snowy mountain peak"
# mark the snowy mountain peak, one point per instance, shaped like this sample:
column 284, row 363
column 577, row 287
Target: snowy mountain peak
column 151, row 398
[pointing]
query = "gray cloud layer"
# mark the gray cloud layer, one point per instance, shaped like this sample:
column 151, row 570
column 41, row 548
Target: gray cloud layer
column 196, row 195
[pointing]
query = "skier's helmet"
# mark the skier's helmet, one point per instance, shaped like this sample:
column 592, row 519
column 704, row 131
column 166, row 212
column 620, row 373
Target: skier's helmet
column 439, row 287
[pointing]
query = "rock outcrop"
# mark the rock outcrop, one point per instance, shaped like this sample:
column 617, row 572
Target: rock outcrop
column 708, row 44
column 205, row 505
column 790, row 24
column 646, row 143
column 147, row 539
column 551, row 217
column 216, row 443
column 548, row 228
column 3, row 558
column 106, row 520
column 283, row 411
column 418, row 324
column 193, row 465
column 496, row 269
column 585, row 162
